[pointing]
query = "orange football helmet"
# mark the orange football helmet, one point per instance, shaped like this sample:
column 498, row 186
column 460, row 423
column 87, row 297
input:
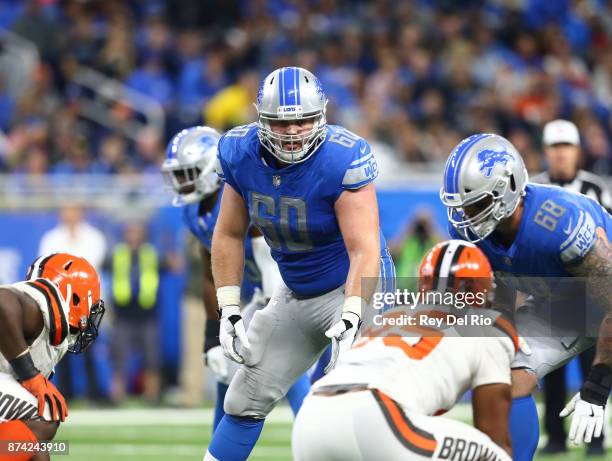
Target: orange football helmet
column 457, row 266
column 79, row 284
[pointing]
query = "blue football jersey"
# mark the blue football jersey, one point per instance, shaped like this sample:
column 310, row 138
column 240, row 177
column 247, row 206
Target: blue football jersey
column 558, row 228
column 294, row 206
column 202, row 224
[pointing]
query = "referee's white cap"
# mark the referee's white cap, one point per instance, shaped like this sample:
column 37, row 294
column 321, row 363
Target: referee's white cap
column 561, row 132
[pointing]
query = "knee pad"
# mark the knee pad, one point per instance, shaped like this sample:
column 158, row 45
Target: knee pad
column 16, row 430
column 247, row 397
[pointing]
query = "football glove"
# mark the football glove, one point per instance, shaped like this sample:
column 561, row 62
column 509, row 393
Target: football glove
column 215, row 359
column 342, row 335
column 45, row 391
column 232, row 328
column 588, row 405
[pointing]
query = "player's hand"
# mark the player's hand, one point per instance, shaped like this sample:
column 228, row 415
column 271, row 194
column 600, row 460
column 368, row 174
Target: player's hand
column 215, row 359
column 46, row 392
column 587, row 419
column 342, row 335
column 232, row 328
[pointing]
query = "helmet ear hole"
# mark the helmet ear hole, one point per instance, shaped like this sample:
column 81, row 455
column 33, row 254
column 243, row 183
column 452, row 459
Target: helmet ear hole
column 75, row 299
column 512, row 183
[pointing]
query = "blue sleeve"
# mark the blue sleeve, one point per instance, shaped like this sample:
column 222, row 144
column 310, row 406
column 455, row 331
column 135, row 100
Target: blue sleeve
column 224, row 169
column 564, row 226
column 187, row 219
column 361, row 169
column 578, row 230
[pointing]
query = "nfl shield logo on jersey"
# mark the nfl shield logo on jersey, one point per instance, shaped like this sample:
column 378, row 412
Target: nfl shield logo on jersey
column 276, row 180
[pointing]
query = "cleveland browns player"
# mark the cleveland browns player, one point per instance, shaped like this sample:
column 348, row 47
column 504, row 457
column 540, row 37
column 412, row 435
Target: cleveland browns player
column 57, row 309
column 380, row 400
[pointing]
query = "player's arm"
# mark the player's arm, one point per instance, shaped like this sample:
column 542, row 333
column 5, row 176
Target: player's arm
column 209, row 296
column 21, row 321
column 491, row 408
column 596, row 267
column 228, row 267
column 357, row 215
column 213, row 353
column 228, row 239
column 588, row 405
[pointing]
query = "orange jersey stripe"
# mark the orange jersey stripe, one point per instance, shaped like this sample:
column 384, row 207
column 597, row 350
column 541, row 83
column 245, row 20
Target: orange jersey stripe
column 414, row 438
column 58, row 328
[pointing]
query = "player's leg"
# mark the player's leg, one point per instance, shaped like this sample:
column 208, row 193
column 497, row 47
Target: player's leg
column 323, row 429
column 286, row 339
column 414, row 436
column 16, row 419
column 370, row 426
column 247, row 314
column 16, row 431
column 555, row 396
column 523, row 423
column 551, row 347
column 319, row 370
column 298, row 392
column 457, row 440
column 219, row 412
column 299, row 389
column 152, row 378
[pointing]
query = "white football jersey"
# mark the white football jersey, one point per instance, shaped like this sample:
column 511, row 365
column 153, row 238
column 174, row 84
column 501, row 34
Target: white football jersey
column 428, row 374
column 52, row 343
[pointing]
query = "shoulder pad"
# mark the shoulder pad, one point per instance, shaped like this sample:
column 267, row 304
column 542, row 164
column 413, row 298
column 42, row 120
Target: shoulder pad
column 54, row 305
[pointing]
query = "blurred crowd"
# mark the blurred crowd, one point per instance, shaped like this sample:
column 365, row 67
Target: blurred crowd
column 414, row 77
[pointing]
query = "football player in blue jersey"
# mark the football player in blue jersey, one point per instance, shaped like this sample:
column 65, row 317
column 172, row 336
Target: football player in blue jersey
column 308, row 187
column 535, row 237
column 190, row 171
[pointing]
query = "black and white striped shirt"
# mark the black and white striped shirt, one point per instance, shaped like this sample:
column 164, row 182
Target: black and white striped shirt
column 584, row 183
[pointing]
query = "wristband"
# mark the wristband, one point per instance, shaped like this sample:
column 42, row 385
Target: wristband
column 353, row 304
column 596, row 388
column 23, row 366
column 211, row 334
column 228, row 296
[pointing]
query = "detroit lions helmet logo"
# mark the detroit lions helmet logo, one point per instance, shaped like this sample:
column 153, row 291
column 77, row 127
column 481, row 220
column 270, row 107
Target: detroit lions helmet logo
column 260, row 94
column 488, row 158
column 319, row 89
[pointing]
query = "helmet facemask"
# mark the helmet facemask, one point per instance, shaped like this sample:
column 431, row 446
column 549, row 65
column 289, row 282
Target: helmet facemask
column 300, row 146
column 189, row 170
column 291, row 96
column 85, row 334
column 485, row 209
column 190, row 183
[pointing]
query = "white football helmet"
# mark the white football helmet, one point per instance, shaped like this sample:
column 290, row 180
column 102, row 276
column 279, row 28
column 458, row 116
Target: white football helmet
column 487, row 168
column 291, row 93
column 190, row 166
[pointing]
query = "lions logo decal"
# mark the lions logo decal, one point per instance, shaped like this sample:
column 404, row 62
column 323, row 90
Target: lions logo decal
column 488, row 158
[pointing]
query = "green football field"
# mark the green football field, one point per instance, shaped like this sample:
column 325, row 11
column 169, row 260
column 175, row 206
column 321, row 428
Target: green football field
column 172, row 434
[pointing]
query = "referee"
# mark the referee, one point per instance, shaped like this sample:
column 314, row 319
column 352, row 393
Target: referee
column 563, row 157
